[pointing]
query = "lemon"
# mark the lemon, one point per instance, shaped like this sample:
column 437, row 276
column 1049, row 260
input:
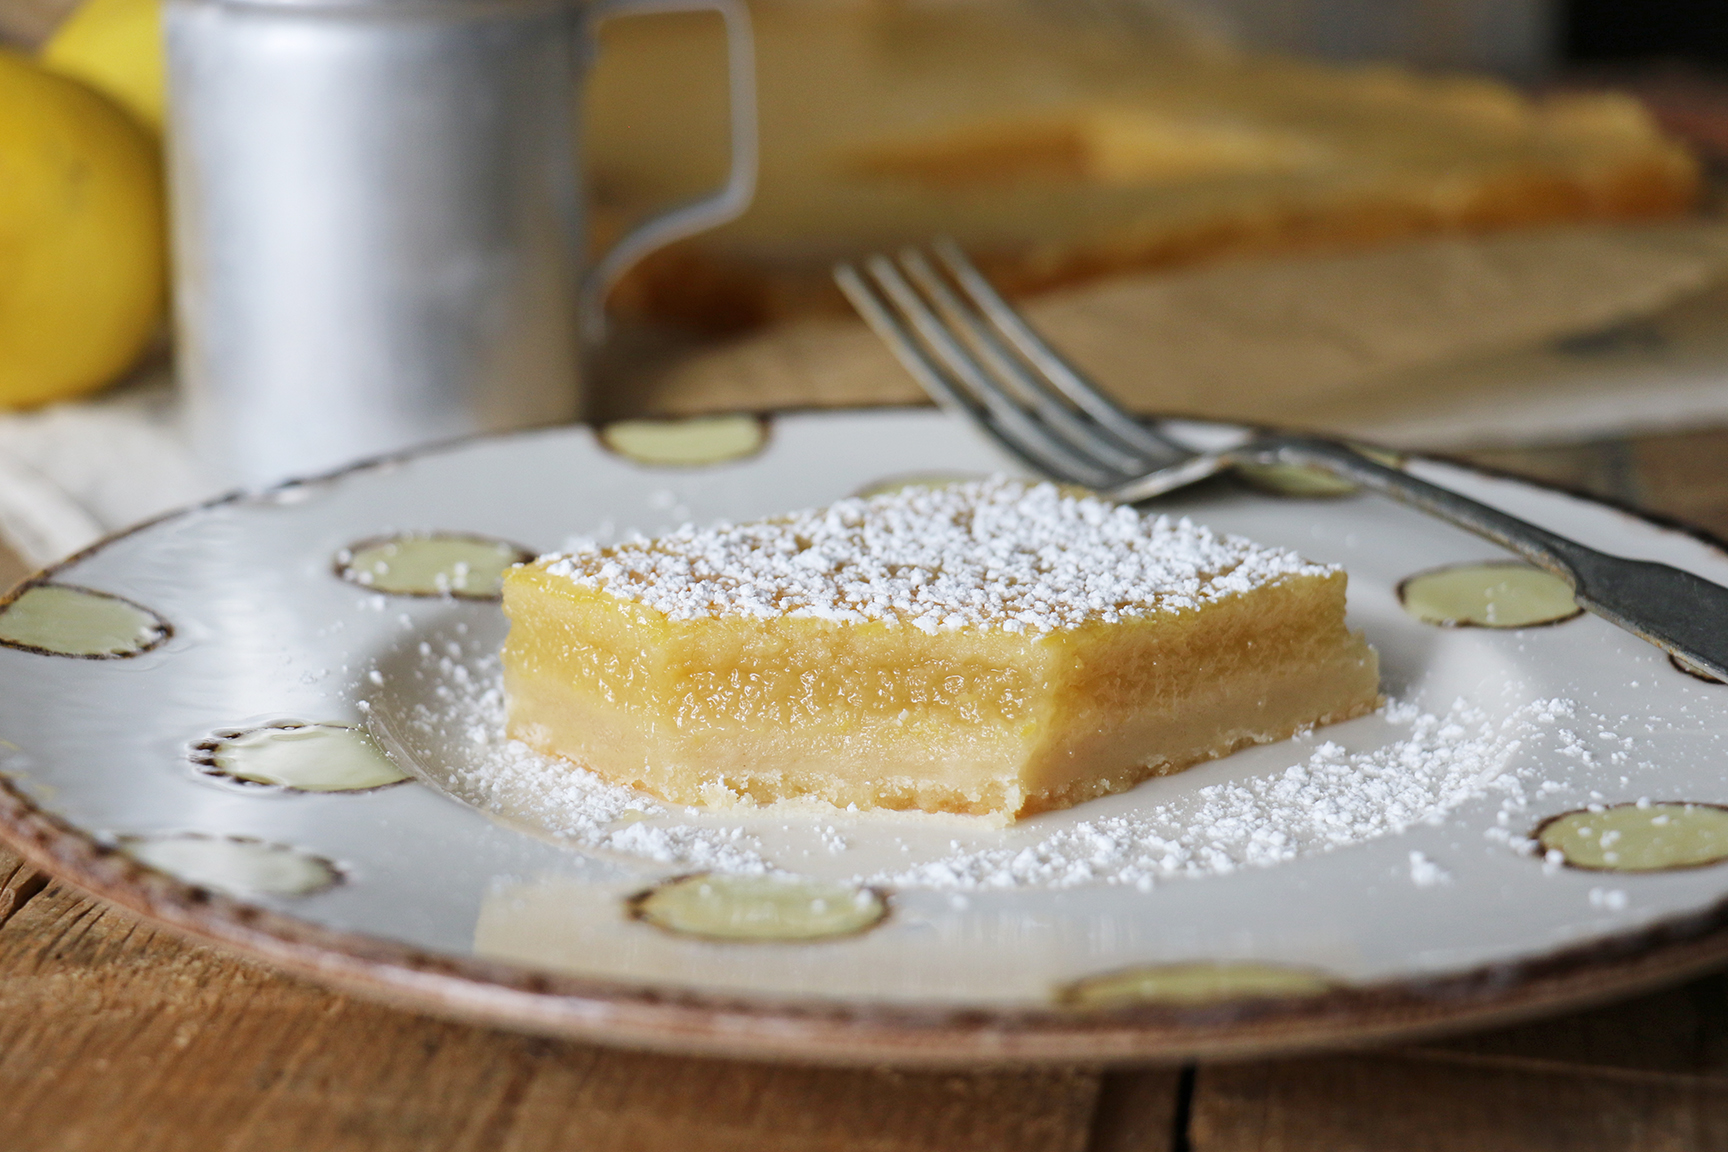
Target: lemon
column 115, row 46
column 83, row 247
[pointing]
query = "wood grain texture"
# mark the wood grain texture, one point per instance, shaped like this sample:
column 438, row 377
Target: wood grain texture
column 1682, row 1030
column 1433, row 1103
column 1682, row 475
column 1141, row 1110
column 117, row 1037
column 1604, row 468
column 18, row 883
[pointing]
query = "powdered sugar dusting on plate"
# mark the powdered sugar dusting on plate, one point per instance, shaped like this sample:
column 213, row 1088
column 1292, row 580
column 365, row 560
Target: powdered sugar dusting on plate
column 996, row 553
column 1333, row 799
column 510, row 779
column 1425, row 768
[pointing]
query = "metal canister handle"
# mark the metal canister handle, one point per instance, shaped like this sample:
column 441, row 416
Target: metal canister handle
column 710, row 211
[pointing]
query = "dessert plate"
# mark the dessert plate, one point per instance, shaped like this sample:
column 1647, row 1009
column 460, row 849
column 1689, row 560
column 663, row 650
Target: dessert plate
column 273, row 722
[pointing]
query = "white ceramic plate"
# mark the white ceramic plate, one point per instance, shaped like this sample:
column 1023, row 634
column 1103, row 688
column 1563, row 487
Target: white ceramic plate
column 1299, row 913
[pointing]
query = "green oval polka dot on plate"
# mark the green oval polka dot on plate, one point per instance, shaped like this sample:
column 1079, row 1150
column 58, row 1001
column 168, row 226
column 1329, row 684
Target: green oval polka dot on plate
column 1200, row 982
column 433, row 564
column 714, row 906
column 686, row 443
column 300, row 757
column 63, row 620
column 1496, row 594
column 236, row 866
column 1305, row 482
column 1638, row 837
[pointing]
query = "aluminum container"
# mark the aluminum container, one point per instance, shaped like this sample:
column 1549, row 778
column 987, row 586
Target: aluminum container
column 378, row 219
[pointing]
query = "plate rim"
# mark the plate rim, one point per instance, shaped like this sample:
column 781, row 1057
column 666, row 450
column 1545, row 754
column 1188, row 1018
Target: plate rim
column 754, row 1025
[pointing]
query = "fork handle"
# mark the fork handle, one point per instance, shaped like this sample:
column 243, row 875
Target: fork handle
column 1677, row 611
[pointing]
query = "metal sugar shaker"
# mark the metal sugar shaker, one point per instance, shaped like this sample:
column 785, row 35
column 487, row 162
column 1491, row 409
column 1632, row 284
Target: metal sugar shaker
column 378, row 218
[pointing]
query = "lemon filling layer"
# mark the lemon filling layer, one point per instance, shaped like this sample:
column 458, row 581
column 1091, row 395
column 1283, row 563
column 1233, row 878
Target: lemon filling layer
column 994, row 648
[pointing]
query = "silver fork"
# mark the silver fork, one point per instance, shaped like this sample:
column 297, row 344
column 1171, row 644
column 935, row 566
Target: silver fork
column 975, row 355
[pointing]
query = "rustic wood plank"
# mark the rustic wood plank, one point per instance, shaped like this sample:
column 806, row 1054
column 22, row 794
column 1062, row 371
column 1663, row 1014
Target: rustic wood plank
column 116, row 1036
column 1606, row 468
column 18, row 883
column 1140, row 1110
column 1393, row 1103
column 1683, row 475
column 1683, row 1029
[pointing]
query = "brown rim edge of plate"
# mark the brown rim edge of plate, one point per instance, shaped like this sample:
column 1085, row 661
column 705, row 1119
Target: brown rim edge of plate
column 832, row 1032
column 503, row 994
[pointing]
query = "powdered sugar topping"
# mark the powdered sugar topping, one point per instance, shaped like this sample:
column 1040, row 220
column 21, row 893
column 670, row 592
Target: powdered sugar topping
column 996, row 553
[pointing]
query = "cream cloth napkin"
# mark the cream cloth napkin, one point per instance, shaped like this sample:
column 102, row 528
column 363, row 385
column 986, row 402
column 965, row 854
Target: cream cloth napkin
column 72, row 473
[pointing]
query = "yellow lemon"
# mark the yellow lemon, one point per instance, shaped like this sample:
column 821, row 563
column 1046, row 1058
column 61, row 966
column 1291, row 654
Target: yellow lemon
column 83, row 245
column 115, row 46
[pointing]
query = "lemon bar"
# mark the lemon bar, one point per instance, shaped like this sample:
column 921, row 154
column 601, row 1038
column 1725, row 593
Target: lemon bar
column 1054, row 151
column 991, row 648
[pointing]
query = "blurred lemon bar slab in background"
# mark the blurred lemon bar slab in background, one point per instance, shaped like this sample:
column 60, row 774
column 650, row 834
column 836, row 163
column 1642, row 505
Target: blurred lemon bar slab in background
column 1055, row 150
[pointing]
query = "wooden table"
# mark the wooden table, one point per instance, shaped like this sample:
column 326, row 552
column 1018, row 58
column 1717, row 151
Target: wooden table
column 117, row 1037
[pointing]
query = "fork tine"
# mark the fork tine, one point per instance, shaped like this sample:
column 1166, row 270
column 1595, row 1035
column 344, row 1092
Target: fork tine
column 1046, row 359
column 890, row 306
column 1061, row 458
column 1006, row 373
column 1011, row 422
column 888, row 328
